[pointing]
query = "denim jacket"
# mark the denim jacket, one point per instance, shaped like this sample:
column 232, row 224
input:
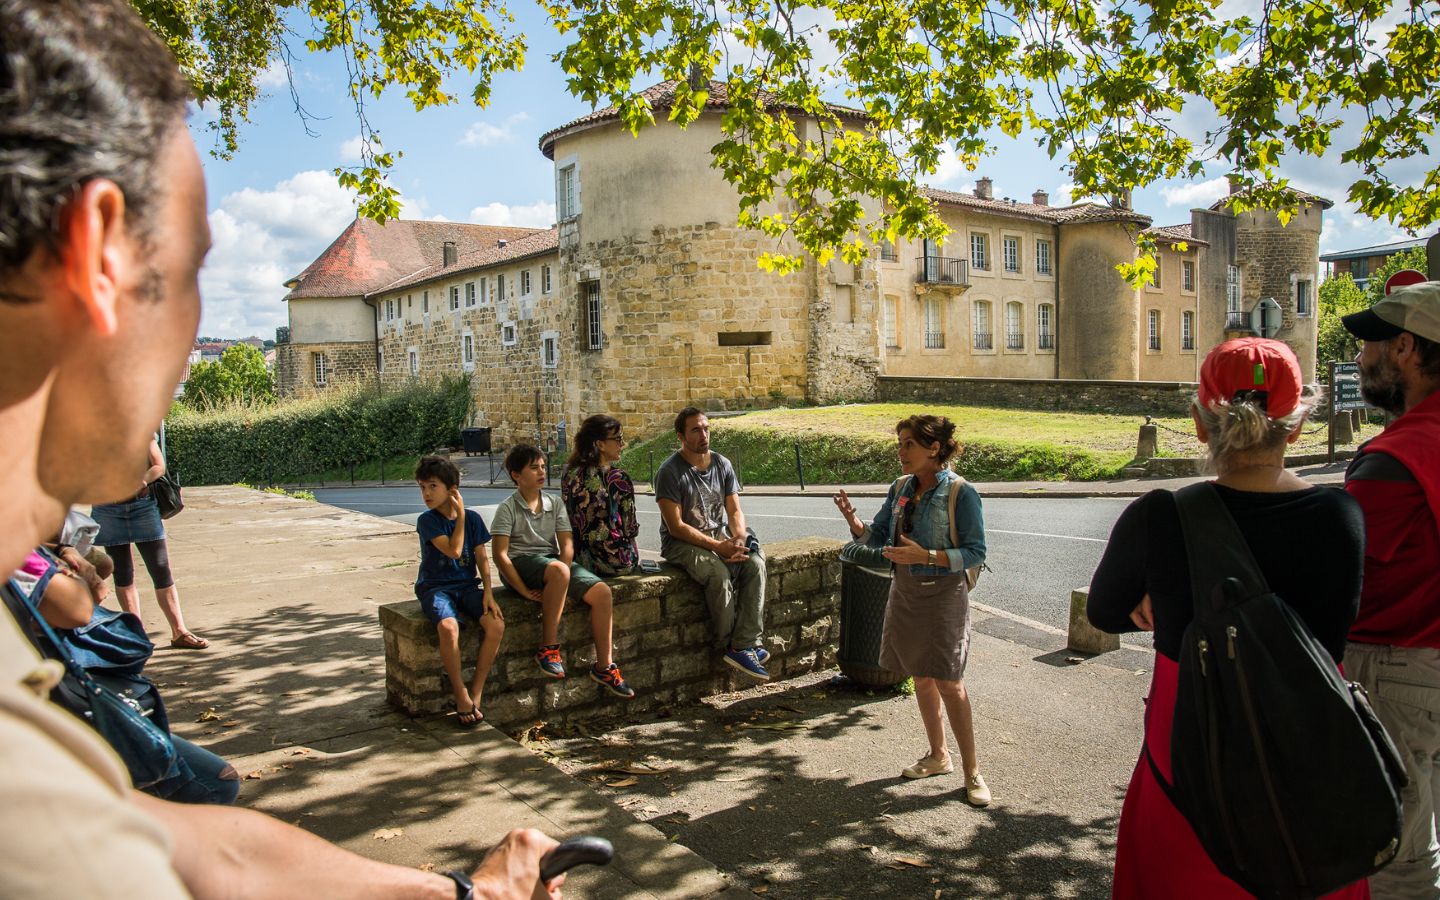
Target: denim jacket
column 931, row 523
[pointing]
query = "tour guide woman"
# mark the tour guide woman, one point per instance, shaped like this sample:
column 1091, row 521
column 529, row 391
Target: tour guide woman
column 1308, row 542
column 927, row 618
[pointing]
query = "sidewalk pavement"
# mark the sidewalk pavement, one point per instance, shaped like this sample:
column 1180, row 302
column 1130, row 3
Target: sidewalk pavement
column 791, row 788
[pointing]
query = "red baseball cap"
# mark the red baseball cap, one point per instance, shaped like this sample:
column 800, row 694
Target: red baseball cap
column 1252, row 370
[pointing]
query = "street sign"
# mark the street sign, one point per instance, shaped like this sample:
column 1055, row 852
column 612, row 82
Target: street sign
column 1345, row 387
column 1403, row 278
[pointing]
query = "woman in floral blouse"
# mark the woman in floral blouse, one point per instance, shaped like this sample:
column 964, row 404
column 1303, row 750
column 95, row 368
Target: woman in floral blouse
column 600, row 499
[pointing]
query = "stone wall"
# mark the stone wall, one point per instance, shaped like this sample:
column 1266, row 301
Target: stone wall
column 1273, row 258
column 345, row 363
column 1125, row 397
column 663, row 644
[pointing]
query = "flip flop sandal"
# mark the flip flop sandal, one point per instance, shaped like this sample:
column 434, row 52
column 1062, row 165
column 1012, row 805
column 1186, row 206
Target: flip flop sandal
column 188, row 641
column 475, row 717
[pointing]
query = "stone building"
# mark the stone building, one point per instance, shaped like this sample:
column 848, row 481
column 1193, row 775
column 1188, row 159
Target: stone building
column 646, row 296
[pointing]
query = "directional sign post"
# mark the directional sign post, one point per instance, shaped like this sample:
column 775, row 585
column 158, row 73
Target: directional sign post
column 1344, row 394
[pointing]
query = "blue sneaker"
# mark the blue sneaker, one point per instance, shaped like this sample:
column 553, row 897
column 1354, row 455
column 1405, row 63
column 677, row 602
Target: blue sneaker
column 762, row 654
column 548, row 659
column 747, row 661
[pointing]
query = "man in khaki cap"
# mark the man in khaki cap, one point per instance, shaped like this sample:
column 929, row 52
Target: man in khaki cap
column 1394, row 645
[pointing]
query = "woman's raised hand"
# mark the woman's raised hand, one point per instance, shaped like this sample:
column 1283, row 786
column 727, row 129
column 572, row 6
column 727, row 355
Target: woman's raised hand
column 847, row 509
column 907, row 552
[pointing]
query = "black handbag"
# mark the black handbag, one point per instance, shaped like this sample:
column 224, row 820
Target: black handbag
column 166, row 491
column 125, row 709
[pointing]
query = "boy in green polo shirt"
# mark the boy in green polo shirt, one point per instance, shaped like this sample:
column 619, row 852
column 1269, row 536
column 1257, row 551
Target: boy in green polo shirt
column 535, row 554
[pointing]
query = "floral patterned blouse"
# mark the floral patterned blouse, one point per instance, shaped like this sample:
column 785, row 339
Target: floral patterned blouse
column 601, row 504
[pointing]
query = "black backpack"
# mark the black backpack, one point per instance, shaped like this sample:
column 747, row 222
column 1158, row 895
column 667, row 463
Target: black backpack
column 1280, row 765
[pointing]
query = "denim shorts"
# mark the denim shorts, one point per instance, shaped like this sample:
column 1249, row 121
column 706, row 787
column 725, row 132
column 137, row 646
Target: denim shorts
column 449, row 603
column 531, row 569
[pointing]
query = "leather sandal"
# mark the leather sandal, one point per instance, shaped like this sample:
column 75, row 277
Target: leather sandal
column 189, row 641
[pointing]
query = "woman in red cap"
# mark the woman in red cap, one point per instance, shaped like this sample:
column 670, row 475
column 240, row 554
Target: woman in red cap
column 1250, row 406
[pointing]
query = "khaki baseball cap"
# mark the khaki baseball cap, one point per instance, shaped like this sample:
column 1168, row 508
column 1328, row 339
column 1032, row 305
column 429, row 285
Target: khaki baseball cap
column 1414, row 308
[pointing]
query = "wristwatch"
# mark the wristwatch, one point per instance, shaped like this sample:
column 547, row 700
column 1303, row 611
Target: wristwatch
column 464, row 887
column 930, row 556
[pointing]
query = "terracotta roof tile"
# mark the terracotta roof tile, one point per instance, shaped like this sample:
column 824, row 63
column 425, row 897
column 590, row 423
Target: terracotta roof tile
column 1174, row 234
column 1222, row 204
column 1079, row 212
column 367, row 255
column 534, row 244
column 661, row 97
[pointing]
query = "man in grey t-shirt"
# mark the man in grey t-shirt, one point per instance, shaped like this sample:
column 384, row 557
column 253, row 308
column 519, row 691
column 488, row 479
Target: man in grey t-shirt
column 702, row 530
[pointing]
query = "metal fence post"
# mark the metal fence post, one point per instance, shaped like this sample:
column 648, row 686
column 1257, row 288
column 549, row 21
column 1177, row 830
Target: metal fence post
column 799, row 466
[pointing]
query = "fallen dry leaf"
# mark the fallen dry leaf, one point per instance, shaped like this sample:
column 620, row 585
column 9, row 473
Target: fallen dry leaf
column 624, row 782
column 385, row 834
column 301, row 751
column 230, row 724
column 913, row 861
column 756, row 890
column 209, row 715
column 255, row 775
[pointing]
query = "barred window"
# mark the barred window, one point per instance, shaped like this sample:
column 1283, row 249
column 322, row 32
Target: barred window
column 1042, row 257
column 1014, row 326
column 979, row 245
column 1044, row 327
column 594, row 337
column 934, row 325
column 984, row 338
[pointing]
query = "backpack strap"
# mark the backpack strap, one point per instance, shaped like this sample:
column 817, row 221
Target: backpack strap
column 1215, row 548
column 957, row 483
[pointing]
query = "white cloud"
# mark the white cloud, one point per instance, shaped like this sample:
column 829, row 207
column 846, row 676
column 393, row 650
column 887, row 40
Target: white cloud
column 951, row 170
column 485, row 134
column 350, row 150
column 274, row 76
column 1192, row 194
column 261, row 238
column 540, row 214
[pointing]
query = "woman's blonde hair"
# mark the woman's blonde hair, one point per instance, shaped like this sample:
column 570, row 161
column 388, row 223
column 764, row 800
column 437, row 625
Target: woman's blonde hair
column 1244, row 427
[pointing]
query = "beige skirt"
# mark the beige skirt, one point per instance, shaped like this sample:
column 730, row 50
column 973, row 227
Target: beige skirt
column 927, row 626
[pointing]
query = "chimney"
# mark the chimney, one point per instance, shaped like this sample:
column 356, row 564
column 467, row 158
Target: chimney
column 501, row 243
column 1040, row 198
column 448, row 253
column 984, row 188
column 697, row 78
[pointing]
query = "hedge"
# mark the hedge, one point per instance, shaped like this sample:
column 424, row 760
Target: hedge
column 266, row 444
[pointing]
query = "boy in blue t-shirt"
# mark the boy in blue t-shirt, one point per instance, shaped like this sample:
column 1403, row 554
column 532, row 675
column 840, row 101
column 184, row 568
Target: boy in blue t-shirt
column 452, row 540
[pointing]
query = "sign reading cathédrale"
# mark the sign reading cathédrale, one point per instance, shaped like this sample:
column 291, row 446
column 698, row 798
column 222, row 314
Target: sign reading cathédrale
column 1345, row 387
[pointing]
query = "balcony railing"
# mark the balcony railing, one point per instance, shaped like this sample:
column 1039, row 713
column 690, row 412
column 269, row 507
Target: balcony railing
column 984, row 340
column 934, row 340
column 1046, row 341
column 943, row 270
column 1237, row 321
column 1015, row 340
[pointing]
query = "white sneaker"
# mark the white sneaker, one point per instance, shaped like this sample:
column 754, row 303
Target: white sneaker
column 929, row 765
column 976, row 790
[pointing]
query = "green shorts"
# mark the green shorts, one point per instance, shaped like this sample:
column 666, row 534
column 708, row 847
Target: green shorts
column 531, row 569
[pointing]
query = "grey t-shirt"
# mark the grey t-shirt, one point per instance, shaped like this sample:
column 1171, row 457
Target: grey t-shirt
column 701, row 495
column 530, row 533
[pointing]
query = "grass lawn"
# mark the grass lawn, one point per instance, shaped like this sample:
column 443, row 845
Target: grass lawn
column 854, row 443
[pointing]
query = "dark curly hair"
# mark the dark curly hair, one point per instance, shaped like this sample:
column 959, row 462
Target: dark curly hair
column 930, row 431
column 86, row 92
column 521, row 456
column 593, row 430
column 438, row 468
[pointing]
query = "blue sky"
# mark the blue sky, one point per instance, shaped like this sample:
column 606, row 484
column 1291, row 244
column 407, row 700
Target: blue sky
column 275, row 206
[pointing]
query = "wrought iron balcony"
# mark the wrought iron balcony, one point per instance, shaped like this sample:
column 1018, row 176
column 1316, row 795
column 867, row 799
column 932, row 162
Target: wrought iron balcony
column 1045, row 341
column 1015, row 340
column 1237, row 321
column 943, row 270
column 984, row 341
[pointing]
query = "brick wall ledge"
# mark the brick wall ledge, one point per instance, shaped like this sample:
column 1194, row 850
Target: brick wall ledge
column 663, row 642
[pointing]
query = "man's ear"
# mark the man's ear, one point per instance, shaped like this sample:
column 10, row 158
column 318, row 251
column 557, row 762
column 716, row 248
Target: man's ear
column 95, row 251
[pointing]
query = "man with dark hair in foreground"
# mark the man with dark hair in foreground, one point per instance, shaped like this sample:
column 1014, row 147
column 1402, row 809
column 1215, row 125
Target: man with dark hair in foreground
column 102, row 233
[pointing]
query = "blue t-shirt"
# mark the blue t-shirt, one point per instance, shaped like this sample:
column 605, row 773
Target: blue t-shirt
column 439, row 571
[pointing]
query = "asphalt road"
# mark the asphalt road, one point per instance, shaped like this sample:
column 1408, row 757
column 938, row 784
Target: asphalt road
column 1039, row 549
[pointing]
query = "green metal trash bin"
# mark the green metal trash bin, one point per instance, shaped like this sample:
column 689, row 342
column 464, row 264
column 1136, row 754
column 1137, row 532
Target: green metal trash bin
column 864, row 591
